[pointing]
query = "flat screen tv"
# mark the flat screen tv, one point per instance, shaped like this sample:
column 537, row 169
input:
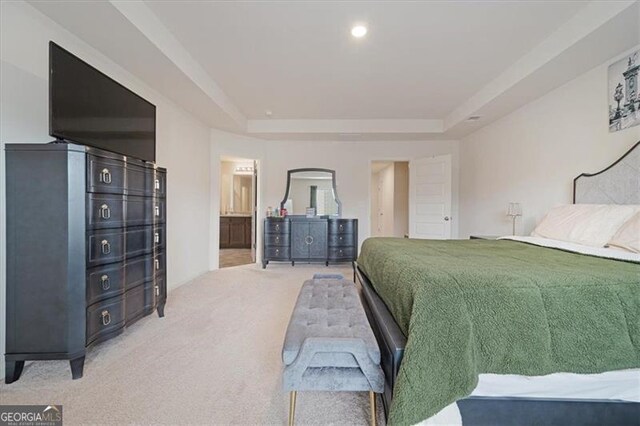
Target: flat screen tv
column 89, row 108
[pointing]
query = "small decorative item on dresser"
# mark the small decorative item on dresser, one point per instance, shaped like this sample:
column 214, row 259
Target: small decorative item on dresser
column 514, row 210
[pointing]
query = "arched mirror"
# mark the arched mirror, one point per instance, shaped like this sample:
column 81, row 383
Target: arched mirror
column 312, row 189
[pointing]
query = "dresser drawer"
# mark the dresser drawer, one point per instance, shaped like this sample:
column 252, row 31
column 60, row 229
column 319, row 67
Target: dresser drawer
column 139, row 180
column 341, row 253
column 277, row 226
column 159, row 237
column 138, row 210
column 160, row 289
column 105, row 246
column 105, row 175
column 104, row 282
column 280, row 240
column 341, row 226
column 138, row 271
column 138, row 241
column 159, row 210
column 340, row 240
column 138, row 302
column 160, row 183
column 104, row 318
column 160, row 264
column 105, row 211
column 277, row 253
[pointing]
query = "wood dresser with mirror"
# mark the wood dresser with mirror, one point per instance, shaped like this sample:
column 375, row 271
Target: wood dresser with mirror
column 314, row 230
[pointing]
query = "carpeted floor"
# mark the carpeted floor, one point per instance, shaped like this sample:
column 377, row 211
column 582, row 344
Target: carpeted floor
column 213, row 359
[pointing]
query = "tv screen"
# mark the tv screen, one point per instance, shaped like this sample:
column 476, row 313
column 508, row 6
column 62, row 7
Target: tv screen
column 87, row 107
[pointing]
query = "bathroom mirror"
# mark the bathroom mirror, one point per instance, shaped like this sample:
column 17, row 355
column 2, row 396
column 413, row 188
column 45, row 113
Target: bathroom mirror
column 241, row 199
column 311, row 188
column 236, row 188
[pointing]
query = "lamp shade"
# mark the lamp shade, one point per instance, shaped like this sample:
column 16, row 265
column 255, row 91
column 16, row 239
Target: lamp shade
column 515, row 209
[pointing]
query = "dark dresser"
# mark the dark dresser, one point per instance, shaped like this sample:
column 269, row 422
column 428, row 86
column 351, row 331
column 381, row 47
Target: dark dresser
column 301, row 239
column 86, row 249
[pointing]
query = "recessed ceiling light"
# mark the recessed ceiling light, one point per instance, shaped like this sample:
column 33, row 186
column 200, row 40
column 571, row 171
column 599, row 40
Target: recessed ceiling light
column 359, row 31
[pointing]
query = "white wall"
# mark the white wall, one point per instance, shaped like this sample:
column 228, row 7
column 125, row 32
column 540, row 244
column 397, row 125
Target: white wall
column 352, row 163
column 350, row 160
column 182, row 142
column 532, row 155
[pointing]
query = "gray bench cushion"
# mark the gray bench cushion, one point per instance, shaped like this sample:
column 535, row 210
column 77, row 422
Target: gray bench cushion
column 329, row 344
column 328, row 308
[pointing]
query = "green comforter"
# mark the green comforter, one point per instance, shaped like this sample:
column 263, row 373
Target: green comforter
column 476, row 306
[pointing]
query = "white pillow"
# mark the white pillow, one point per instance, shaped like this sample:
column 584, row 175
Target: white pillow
column 628, row 236
column 587, row 224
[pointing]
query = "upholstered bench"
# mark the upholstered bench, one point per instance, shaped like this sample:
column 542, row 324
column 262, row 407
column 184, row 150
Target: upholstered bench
column 329, row 345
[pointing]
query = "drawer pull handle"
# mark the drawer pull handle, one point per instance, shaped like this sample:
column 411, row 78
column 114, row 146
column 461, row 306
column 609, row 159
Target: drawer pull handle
column 105, row 176
column 106, row 282
column 106, row 317
column 157, row 211
column 157, row 262
column 277, row 239
column 277, row 251
column 308, row 239
column 157, row 291
column 157, row 184
column 341, row 228
column 277, row 227
column 156, row 237
column 105, row 212
column 105, row 247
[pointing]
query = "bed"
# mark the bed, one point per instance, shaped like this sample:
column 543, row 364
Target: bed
column 501, row 328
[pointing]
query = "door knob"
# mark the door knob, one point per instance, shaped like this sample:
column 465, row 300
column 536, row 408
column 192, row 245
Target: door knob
column 446, row 218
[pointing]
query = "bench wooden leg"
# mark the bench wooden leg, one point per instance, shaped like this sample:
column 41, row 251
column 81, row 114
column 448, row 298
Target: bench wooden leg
column 372, row 398
column 292, row 407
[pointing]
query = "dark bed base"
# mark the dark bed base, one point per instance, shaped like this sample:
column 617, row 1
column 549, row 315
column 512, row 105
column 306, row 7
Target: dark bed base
column 493, row 411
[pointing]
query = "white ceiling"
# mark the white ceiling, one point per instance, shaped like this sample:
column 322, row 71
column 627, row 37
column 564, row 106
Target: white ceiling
column 421, row 71
column 299, row 60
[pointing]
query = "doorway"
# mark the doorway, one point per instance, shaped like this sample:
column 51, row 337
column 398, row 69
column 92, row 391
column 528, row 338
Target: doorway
column 390, row 199
column 238, row 208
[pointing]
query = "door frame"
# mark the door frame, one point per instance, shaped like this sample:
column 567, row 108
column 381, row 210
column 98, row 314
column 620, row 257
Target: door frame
column 254, row 212
column 370, row 191
column 215, row 188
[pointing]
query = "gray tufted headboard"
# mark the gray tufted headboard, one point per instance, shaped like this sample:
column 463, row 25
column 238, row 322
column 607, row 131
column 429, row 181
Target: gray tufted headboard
column 617, row 184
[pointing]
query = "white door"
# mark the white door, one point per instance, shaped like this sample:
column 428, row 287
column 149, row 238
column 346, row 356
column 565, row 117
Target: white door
column 430, row 198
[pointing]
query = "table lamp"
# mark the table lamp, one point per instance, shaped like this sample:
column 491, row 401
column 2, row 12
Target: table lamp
column 514, row 210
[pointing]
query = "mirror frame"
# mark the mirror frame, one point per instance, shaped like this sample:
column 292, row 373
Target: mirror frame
column 313, row 169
